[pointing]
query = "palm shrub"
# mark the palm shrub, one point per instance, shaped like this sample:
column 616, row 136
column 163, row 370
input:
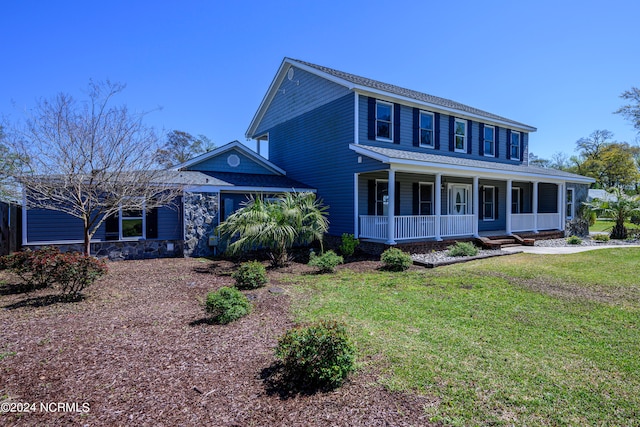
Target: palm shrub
column 250, row 275
column 226, row 305
column 327, row 262
column 318, row 355
column 291, row 219
column 395, row 260
column 619, row 210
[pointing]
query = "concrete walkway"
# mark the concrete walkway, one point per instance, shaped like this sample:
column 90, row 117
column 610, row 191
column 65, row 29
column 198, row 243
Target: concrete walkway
column 562, row 249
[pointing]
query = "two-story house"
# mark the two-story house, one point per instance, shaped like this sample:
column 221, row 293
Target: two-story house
column 397, row 165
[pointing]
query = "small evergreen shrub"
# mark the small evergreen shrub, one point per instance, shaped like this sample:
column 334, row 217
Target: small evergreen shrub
column 463, row 249
column 34, row 268
column 395, row 260
column 349, row 244
column 601, row 237
column 327, row 262
column 250, row 275
column 318, row 355
column 226, row 305
column 574, row 240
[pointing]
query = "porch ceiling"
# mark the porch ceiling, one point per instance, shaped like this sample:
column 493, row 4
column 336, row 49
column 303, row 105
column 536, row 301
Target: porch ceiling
column 412, row 161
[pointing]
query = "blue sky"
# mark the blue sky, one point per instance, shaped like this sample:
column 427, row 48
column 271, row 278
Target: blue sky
column 557, row 65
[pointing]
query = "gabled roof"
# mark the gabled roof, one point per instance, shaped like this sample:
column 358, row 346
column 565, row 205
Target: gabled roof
column 232, row 181
column 463, row 164
column 372, row 87
column 234, row 145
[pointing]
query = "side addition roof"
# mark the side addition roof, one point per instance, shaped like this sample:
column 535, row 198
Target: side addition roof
column 372, row 87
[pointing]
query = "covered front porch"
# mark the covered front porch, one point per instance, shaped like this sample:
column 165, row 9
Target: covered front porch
column 396, row 206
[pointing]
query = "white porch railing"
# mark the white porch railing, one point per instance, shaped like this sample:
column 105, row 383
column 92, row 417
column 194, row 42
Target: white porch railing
column 415, row 226
column 548, row 221
column 373, row 227
column 523, row 222
column 456, row 225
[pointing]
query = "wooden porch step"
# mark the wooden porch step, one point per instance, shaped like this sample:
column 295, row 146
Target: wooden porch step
column 504, row 241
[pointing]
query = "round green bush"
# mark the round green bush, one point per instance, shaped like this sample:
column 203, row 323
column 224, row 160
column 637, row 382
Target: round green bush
column 574, row 240
column 318, row 355
column 327, row 262
column 463, row 249
column 395, row 260
column 250, row 275
column 600, row 237
column 227, row 304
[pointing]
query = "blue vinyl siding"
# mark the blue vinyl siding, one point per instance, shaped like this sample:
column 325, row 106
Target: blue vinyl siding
column 406, row 136
column 220, row 164
column 170, row 223
column 314, row 148
column 548, row 195
column 300, row 95
column 46, row 225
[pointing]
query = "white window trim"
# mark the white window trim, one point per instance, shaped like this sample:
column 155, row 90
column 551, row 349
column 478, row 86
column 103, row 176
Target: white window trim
column 430, row 184
column 391, row 124
column 464, row 146
column 511, row 156
column 386, row 181
column 433, row 133
column 516, row 200
column 493, row 203
column 468, row 202
column 571, row 203
column 143, row 211
column 493, row 154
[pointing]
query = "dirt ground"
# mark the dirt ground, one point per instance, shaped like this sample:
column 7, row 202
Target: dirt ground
column 138, row 350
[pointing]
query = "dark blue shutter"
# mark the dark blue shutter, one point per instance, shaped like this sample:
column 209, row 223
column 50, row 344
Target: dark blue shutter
column 436, row 130
column 481, row 203
column 396, row 207
column 416, row 198
column 508, row 143
column 152, row 224
column 496, row 144
column 371, row 197
column 481, row 139
column 396, row 123
column 469, row 136
column 496, row 205
column 452, row 130
column 371, row 119
column 416, row 127
column 521, row 146
column 112, row 227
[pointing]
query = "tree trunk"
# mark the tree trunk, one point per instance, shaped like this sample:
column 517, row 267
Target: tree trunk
column 87, row 239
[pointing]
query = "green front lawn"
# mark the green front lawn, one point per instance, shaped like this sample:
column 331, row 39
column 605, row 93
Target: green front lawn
column 603, row 225
column 523, row 339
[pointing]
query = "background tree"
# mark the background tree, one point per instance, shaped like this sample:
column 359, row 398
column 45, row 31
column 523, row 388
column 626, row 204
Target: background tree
column 277, row 226
column 10, row 162
column 631, row 111
column 90, row 159
column 181, row 146
column 619, row 209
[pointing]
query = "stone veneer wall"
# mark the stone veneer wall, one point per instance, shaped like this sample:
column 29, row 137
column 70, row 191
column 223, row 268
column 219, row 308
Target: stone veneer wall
column 200, row 221
column 125, row 250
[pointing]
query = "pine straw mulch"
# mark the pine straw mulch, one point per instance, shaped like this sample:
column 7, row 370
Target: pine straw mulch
column 139, row 350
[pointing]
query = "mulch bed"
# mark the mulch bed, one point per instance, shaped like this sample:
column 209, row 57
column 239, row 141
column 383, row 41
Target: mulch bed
column 139, row 351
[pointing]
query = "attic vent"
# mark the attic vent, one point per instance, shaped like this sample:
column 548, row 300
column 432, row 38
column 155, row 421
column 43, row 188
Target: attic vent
column 233, row 160
column 290, row 73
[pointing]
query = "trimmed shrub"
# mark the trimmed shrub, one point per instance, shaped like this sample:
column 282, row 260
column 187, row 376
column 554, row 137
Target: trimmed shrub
column 227, row 304
column 600, row 237
column 250, row 275
column 69, row 272
column 574, row 240
column 318, row 355
column 463, row 249
column 395, row 260
column 327, row 262
column 349, row 244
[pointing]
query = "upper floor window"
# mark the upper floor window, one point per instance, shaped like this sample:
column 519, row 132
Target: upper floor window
column 489, row 141
column 460, row 135
column 515, row 145
column 426, row 129
column 384, row 121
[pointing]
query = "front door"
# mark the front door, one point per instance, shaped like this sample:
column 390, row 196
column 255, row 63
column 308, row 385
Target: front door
column 459, row 199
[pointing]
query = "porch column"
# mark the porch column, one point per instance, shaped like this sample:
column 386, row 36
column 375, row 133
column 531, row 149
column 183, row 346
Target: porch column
column 476, row 206
column 391, row 226
column 534, row 208
column 509, row 210
column 561, row 207
column 438, row 204
column 356, row 216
